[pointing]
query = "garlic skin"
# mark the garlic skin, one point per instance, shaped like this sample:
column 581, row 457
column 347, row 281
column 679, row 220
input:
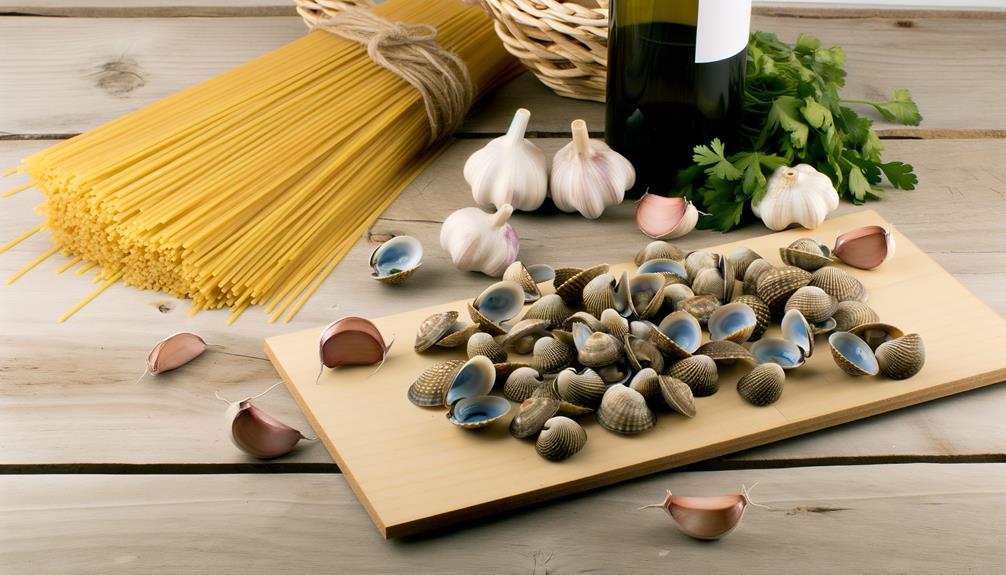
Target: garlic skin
column 588, row 176
column 796, row 195
column 257, row 433
column 509, row 170
column 663, row 218
column 479, row 241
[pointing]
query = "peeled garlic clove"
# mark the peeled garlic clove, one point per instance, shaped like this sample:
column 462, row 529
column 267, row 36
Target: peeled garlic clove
column 588, row 176
column 479, row 241
column 174, row 351
column 709, row 517
column 796, row 195
column 665, row 218
column 351, row 341
column 865, row 248
column 509, row 170
column 259, row 434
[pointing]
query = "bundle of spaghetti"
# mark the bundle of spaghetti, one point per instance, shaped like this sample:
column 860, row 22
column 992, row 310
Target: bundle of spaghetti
column 249, row 188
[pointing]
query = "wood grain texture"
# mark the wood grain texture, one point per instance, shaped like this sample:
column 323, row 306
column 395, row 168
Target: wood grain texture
column 92, row 70
column 885, row 519
column 84, row 408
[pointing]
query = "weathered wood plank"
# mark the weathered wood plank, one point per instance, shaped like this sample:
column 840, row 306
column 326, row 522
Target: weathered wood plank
column 66, row 75
column 68, row 396
column 933, row 518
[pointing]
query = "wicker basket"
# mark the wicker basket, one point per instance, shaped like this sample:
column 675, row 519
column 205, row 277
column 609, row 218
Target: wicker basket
column 565, row 44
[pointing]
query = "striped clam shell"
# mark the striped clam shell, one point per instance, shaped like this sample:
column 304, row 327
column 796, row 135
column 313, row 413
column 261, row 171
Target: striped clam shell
column 642, row 353
column 614, row 323
column 599, row 294
column 850, row 314
column 700, row 306
column 709, row 281
column 547, row 390
column 624, row 410
column 839, row 284
column 806, row 254
column 551, row 355
column 676, row 293
column 550, row 307
column 586, row 319
column 528, row 277
column 524, row 333
column 659, row 249
column 482, row 343
column 725, row 352
column 678, row 395
column 699, row 372
column 433, row 328
column 599, row 349
column 740, row 258
column 762, row 385
column 564, row 274
column 560, row 438
column 647, row 382
column 762, row 314
column 815, row 305
column 752, row 274
column 532, row 415
column 458, row 335
column 902, row 357
column 775, row 286
column 584, row 388
column 428, row 389
column 521, row 384
column 571, row 290
column 484, row 323
column 699, row 260
column 874, row 334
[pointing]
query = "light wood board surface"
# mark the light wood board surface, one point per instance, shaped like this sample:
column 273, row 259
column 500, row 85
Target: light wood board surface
column 882, row 519
column 92, row 70
column 400, row 459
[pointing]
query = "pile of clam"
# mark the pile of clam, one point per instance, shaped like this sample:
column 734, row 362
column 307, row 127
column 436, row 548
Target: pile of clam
column 627, row 347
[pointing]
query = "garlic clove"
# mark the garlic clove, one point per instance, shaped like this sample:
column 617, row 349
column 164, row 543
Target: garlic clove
column 174, row 351
column 865, row 248
column 509, row 170
column 661, row 217
column 351, row 341
column 708, row 517
column 479, row 241
column 257, row 433
column 588, row 176
column 796, row 195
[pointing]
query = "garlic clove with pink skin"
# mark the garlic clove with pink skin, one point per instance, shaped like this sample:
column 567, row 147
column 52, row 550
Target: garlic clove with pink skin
column 174, row 351
column 588, row 176
column 257, row 433
column 865, row 248
column 664, row 218
column 707, row 517
column 509, row 170
column 479, row 241
column 796, row 195
column 352, row 341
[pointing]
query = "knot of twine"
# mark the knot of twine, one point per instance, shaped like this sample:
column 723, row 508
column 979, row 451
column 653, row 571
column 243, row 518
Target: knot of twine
column 410, row 51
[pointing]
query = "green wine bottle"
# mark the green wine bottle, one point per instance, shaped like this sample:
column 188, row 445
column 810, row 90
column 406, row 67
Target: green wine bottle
column 675, row 80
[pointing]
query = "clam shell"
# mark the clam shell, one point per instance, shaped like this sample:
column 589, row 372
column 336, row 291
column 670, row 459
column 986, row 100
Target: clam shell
column 642, row 353
column 433, row 328
column 614, row 323
column 526, row 328
column 571, row 290
column 852, row 354
column 599, row 294
column 585, row 388
column 778, row 351
column 762, row 314
column 532, row 415
column 647, row 382
column 618, row 372
column 646, row 292
column 550, row 307
column 762, row 385
column 500, row 302
column 734, row 321
column 504, row 369
column 475, row 377
column 396, row 260
column 709, row 281
column 522, row 345
column 428, row 389
column 678, row 395
column 839, row 284
column 675, row 293
column 551, row 355
column 806, row 254
column 566, row 408
column 874, row 334
column 726, row 269
column 624, row 410
column 901, row 358
column 699, row 260
column 775, row 286
column 741, row 258
column 678, row 335
column 586, row 319
column 598, row 349
column 521, row 384
column 796, row 329
column 673, row 271
column 564, row 336
column 563, row 274
column 458, row 335
column 484, row 344
column 528, row 278
column 699, row 373
column 823, row 327
column 815, row 305
column 659, row 250
column 700, row 307
column 484, row 323
column 753, row 274
column 850, row 314
column 725, row 352
column 478, row 412
column 866, row 247
column 560, row 438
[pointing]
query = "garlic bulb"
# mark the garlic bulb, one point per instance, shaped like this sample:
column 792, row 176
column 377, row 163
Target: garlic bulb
column 588, row 176
column 664, row 218
column 509, row 170
column 479, row 241
column 797, row 195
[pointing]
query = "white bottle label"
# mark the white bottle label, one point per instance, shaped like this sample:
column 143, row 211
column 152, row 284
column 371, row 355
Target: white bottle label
column 722, row 30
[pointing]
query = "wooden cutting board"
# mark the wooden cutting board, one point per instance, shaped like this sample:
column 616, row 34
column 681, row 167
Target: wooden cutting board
column 414, row 471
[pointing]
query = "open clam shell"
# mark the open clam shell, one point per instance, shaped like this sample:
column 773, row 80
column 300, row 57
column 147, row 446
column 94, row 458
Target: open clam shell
column 475, row 377
column 699, row 372
column 700, row 307
column 560, row 438
column 850, row 314
column 499, row 302
column 806, row 254
column 678, row 335
column 776, row 285
column 642, row 353
column 624, row 410
column 478, row 412
column 677, row 395
column 521, row 384
column 733, row 322
column 673, row 271
column 584, row 388
column 795, row 328
column 815, row 305
column 875, row 334
column 781, row 352
column 659, row 249
column 550, row 307
column 571, row 290
column 532, row 415
column 865, row 248
column 482, row 343
column 646, row 294
column 852, row 354
column 428, row 389
column 396, row 260
column 762, row 385
column 763, row 315
column 902, row 357
column 585, row 318
column 528, row 277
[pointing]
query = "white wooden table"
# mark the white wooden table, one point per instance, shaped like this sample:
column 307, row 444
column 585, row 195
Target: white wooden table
column 98, row 475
